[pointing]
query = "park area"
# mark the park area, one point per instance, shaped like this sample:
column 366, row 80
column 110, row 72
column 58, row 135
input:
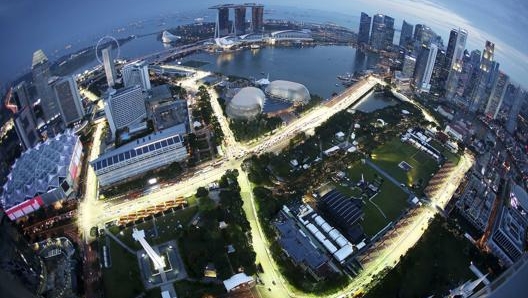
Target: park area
column 381, row 209
column 437, row 263
column 405, row 163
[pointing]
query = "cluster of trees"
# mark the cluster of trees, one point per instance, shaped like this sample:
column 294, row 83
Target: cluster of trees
column 206, row 242
column 205, row 111
column 245, row 130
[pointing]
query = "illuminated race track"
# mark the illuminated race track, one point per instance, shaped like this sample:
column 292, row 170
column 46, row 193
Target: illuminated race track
column 93, row 212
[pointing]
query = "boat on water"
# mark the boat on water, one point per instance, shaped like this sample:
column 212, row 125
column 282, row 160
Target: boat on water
column 168, row 37
column 254, row 46
column 345, row 77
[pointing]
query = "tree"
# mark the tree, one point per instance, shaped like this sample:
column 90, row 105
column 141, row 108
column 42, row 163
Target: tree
column 201, row 192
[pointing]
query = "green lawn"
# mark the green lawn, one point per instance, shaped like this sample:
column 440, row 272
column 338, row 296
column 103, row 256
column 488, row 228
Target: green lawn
column 389, row 155
column 122, row 280
column 391, row 199
column 450, row 156
column 188, row 289
column 166, row 225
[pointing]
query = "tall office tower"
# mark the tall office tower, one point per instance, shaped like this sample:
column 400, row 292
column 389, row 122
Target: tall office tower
column 389, row 31
column 409, row 64
column 456, row 47
column 480, row 92
column 136, row 73
column 21, row 95
column 406, row 35
column 41, row 75
column 21, row 269
column 364, row 28
column 69, row 100
column 377, row 36
column 424, row 67
column 487, row 56
column 223, row 22
column 497, row 95
column 518, row 99
column 109, row 67
column 418, row 30
column 26, row 127
column 240, row 21
column 257, row 19
column 124, row 107
column 473, row 75
column 438, row 77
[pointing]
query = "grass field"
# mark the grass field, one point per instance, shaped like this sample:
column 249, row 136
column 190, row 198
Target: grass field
column 124, row 271
column 389, row 155
column 391, row 200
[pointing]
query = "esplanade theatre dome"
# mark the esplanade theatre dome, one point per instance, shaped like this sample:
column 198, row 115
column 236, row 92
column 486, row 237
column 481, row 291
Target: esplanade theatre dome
column 288, row 91
column 246, row 104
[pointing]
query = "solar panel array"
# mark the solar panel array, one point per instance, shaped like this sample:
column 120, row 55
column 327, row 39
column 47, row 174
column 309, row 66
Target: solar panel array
column 102, row 163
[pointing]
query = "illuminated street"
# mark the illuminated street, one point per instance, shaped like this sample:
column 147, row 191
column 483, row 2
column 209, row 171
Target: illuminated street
column 95, row 213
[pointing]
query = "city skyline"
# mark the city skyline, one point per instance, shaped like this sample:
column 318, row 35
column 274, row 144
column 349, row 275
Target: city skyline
column 442, row 16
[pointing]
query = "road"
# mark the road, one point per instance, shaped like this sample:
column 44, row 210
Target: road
column 95, row 213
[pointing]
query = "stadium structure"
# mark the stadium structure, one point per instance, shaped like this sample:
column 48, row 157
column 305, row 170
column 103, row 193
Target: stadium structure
column 43, row 175
column 246, row 104
column 288, row 91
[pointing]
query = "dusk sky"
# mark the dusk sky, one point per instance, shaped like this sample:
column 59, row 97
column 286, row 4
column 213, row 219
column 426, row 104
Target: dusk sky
column 27, row 25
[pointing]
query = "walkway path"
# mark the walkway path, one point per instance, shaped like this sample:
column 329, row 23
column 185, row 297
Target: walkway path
column 389, row 177
column 120, row 242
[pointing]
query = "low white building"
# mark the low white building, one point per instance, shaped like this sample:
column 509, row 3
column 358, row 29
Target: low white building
column 150, row 152
column 238, row 282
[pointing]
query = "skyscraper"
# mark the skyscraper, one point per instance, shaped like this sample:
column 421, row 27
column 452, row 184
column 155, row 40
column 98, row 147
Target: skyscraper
column 21, row 269
column 26, row 127
column 257, row 19
column 389, row 31
column 21, row 95
column 497, row 95
column 364, row 28
column 223, row 22
column 424, row 67
column 518, row 98
column 418, row 30
column 69, row 100
column 109, row 67
column 124, row 107
column 240, row 21
column 409, row 64
column 454, row 55
column 406, row 34
column 377, row 36
column 485, row 76
column 438, row 77
column 136, row 73
column 41, row 75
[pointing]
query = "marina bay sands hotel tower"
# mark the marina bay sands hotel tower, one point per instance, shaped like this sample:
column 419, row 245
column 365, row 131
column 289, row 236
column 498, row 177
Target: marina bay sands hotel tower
column 239, row 23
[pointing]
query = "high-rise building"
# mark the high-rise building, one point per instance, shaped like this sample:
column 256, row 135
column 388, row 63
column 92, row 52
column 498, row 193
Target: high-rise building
column 473, row 73
column 424, row 67
column 240, row 21
column 257, row 19
column 22, row 273
column 409, row 64
column 124, row 107
column 69, row 100
column 418, row 30
column 438, row 77
column 136, row 73
column 486, row 74
column 406, row 35
column 26, row 127
column 109, row 67
column 377, row 36
column 364, row 28
column 497, row 95
column 223, row 22
column 389, row 31
column 455, row 48
column 21, row 95
column 518, row 99
column 41, row 74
